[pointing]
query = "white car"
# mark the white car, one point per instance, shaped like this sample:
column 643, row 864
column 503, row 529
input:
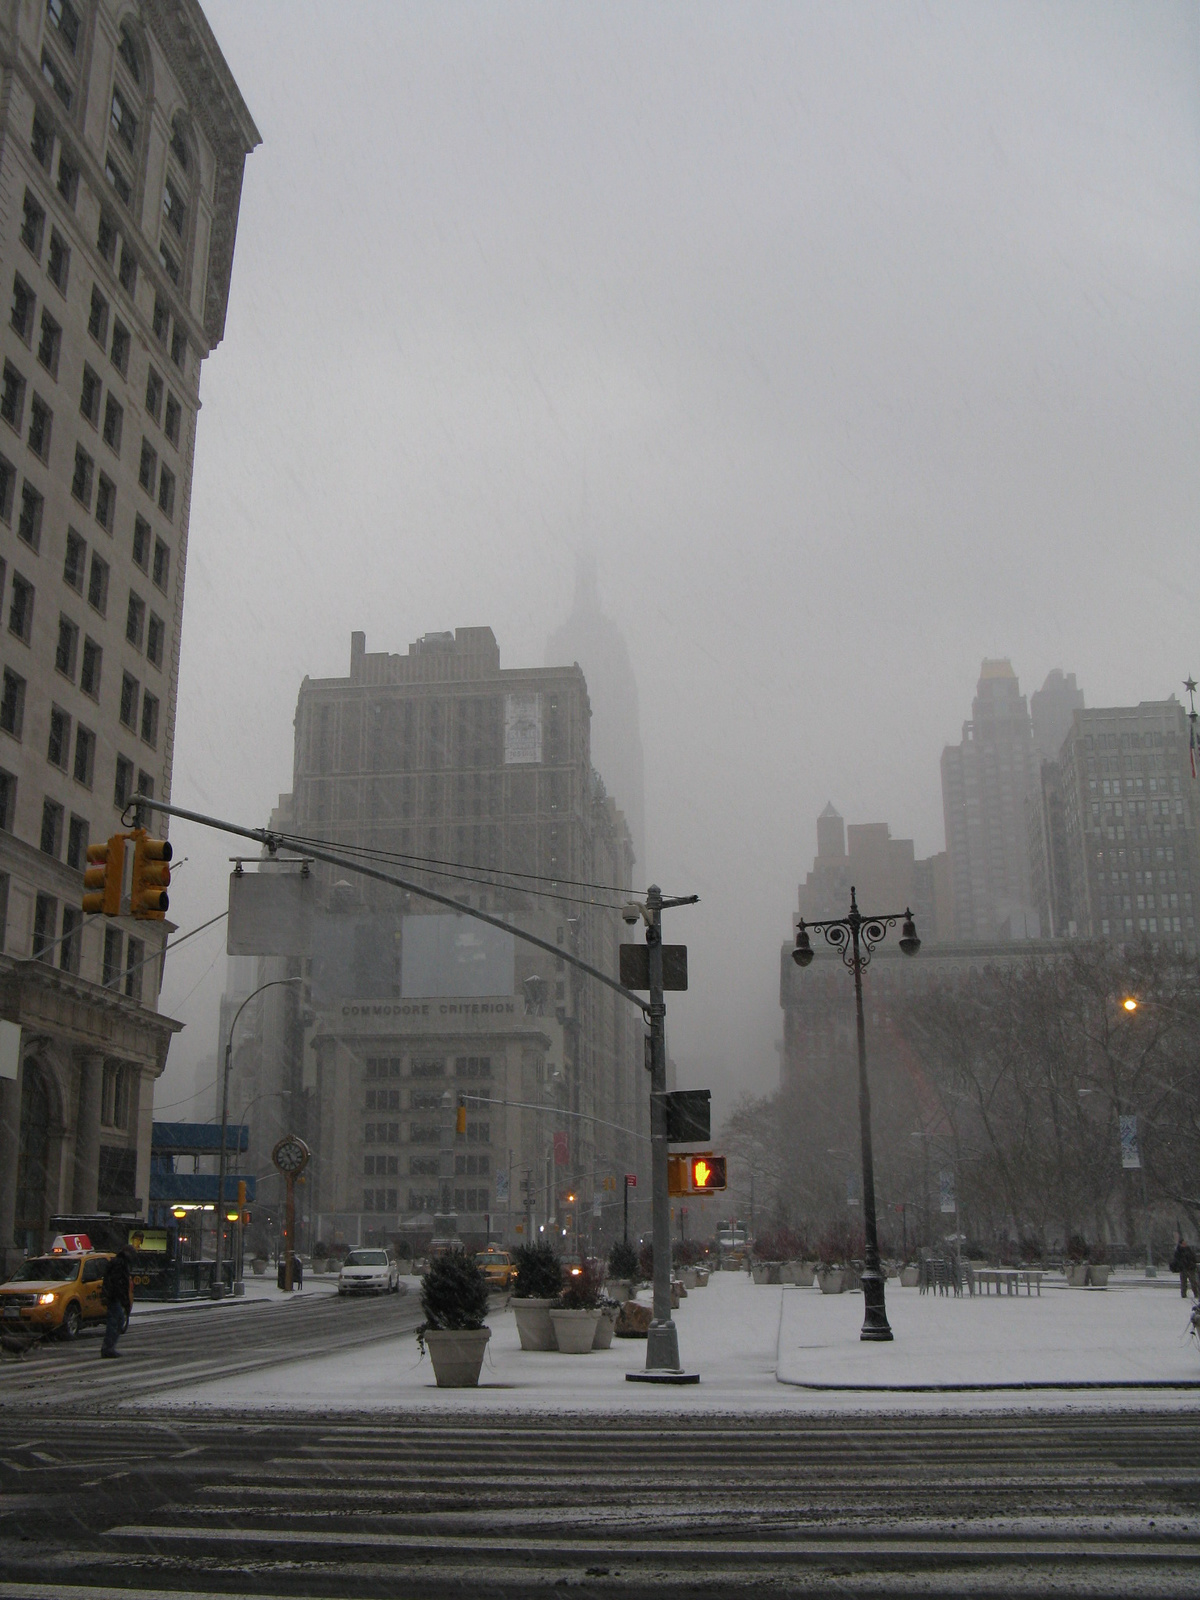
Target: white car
column 369, row 1272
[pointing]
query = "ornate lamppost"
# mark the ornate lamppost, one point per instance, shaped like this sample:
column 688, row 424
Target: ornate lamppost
column 855, row 937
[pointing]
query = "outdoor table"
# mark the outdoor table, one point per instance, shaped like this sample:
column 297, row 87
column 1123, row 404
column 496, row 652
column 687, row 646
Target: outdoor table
column 1029, row 1278
column 1009, row 1277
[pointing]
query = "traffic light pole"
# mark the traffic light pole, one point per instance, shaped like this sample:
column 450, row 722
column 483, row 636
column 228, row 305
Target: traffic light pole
column 662, row 1342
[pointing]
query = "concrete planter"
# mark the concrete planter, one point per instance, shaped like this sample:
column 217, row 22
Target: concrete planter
column 259, row 1267
column 702, row 1277
column 832, row 1280
column 533, row 1324
column 1076, row 1274
column 910, row 1277
column 320, row 1264
column 457, row 1355
column 687, row 1276
column 1098, row 1276
column 605, row 1328
column 575, row 1331
column 761, row 1274
column 620, row 1289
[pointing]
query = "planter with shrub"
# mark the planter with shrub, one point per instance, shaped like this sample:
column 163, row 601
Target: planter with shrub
column 454, row 1300
column 574, row 1320
column 622, row 1270
column 537, row 1285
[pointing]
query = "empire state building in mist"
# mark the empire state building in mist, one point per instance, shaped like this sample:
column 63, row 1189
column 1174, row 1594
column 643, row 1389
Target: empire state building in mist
column 598, row 645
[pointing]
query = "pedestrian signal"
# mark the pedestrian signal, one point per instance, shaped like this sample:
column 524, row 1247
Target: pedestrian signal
column 707, row 1173
column 103, row 875
column 148, row 896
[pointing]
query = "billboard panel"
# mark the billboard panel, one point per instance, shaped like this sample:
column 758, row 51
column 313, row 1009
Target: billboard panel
column 447, row 957
column 522, row 729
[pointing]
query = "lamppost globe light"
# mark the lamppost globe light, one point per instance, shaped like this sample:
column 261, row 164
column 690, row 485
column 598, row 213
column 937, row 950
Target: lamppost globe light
column 1129, row 1003
column 803, row 954
column 909, row 943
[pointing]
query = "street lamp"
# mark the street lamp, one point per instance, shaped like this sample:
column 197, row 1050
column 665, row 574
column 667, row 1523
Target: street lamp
column 855, row 937
column 218, row 1288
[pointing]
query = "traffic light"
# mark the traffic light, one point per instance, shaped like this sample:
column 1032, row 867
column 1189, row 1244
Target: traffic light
column 460, row 1121
column 707, row 1173
column 148, row 897
column 103, row 877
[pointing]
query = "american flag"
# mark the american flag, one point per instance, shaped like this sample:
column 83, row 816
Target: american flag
column 1193, row 744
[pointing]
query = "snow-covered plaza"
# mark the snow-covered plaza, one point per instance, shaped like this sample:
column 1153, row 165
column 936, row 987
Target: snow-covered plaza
column 771, row 1349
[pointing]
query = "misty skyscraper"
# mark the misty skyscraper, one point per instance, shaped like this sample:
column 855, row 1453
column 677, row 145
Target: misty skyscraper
column 594, row 640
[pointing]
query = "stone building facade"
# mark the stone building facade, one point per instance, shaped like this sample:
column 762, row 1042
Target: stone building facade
column 123, row 139
column 443, row 768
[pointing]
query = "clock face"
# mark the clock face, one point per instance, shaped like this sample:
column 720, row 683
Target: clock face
column 290, row 1155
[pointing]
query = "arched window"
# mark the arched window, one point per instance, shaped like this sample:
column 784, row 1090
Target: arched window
column 130, row 54
column 179, row 144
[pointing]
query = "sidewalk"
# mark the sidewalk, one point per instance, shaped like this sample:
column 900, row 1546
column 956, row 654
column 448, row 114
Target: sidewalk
column 258, row 1290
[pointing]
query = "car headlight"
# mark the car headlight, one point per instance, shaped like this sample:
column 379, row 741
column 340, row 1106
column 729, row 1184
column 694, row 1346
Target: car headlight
column 45, row 1299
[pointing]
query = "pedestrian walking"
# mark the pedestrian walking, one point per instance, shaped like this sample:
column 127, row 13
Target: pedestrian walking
column 117, row 1293
column 1184, row 1263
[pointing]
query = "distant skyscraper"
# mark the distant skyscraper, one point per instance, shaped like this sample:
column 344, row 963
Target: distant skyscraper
column 1051, row 710
column 883, row 870
column 595, row 642
column 985, row 783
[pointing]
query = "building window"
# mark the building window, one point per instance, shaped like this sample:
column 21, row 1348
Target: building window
column 49, row 344
column 127, row 271
column 29, row 523
column 150, row 720
column 111, row 970
column 65, row 18
column 76, row 558
column 98, row 585
column 156, row 634
column 20, row 611
column 8, row 484
column 67, row 648
column 89, row 396
column 81, row 480
column 56, row 80
column 135, row 620
column 23, row 302
column 114, row 1093
column 12, row 703
column 68, row 949
column 119, row 181
column 174, row 208
column 179, row 147
column 134, row 962
column 85, row 756
column 160, row 320
column 41, row 420
column 68, row 178
column 141, row 543
column 106, row 238
column 106, row 503
column 77, row 843
column 60, row 738
column 123, row 786
column 33, row 225
column 8, row 807
column 89, row 674
column 12, row 397
column 41, row 142
column 173, row 418
column 162, row 564
column 166, row 492
column 119, row 354
column 45, row 917
column 124, row 122
column 98, row 317
column 52, row 826
column 179, row 348
column 154, row 394
column 58, row 266
column 147, row 466
column 169, row 264
column 128, row 53
column 129, row 700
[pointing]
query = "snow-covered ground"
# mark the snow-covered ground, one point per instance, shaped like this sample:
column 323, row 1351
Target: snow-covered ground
column 257, row 1289
column 753, row 1345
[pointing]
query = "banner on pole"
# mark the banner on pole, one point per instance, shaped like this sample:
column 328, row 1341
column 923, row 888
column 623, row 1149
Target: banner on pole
column 501, row 1188
column 562, row 1150
column 949, row 1201
column 1131, row 1156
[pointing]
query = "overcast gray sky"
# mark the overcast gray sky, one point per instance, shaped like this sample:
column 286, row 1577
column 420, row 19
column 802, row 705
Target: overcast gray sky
column 857, row 342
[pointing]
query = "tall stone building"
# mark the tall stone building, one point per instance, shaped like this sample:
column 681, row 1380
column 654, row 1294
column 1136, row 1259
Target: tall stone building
column 1117, row 841
column 122, row 144
column 883, row 870
column 475, row 780
column 986, row 781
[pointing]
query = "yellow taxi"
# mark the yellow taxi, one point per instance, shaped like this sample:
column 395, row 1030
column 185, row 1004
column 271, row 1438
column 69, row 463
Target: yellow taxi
column 56, row 1293
column 496, row 1266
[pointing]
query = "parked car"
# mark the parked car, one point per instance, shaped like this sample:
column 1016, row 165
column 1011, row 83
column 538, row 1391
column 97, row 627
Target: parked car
column 496, row 1266
column 58, row 1293
column 369, row 1272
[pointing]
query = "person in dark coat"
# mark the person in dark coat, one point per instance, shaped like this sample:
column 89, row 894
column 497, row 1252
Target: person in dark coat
column 1184, row 1263
column 117, row 1292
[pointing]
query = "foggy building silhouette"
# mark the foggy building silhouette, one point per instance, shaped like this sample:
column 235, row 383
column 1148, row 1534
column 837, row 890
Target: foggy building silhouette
column 1051, row 710
column 986, row 782
column 883, row 870
column 595, row 642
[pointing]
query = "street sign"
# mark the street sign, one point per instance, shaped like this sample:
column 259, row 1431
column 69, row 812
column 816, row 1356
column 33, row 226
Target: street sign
column 631, row 1180
column 688, row 1114
column 635, row 966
